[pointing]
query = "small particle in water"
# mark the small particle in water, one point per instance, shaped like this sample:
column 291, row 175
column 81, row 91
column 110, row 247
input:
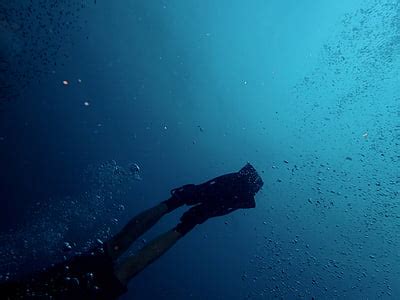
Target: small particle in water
column 65, row 82
column 348, row 158
column 134, row 168
column 79, row 80
column 67, row 246
column 86, row 103
column 135, row 171
column 365, row 135
column 286, row 161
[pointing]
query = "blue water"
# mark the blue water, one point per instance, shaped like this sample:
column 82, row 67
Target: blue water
column 188, row 90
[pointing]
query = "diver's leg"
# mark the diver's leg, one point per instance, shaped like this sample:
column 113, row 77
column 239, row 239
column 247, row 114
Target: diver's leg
column 138, row 225
column 131, row 266
column 153, row 250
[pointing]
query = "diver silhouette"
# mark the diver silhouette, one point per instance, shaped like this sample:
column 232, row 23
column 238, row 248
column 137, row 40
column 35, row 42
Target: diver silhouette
column 99, row 274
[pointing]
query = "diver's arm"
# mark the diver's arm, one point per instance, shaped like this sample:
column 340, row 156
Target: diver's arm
column 148, row 254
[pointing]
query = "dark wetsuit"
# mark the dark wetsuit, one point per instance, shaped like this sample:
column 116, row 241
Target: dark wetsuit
column 84, row 277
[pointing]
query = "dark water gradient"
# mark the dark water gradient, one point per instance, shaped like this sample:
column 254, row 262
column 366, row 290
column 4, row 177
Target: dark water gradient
column 308, row 92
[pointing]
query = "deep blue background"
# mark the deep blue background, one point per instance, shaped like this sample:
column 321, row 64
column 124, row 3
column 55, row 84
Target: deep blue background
column 189, row 90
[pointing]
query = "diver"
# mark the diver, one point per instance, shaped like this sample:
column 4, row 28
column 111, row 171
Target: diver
column 100, row 274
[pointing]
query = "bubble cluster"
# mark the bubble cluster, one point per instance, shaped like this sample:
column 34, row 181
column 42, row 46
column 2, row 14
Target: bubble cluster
column 337, row 198
column 61, row 228
column 35, row 37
